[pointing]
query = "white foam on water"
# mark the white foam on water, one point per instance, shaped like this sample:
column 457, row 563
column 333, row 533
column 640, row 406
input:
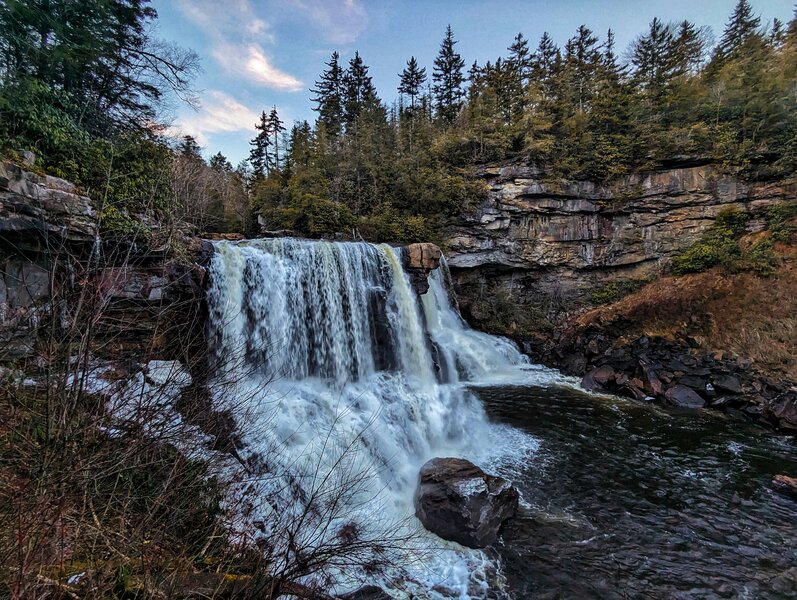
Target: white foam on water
column 342, row 378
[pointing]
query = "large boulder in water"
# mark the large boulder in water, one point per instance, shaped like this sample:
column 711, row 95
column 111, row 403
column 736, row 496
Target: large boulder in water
column 458, row 501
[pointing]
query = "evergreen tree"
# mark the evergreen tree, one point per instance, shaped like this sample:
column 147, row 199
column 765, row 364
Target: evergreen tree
column 689, row 48
column 519, row 58
column 518, row 67
column 545, row 64
column 581, row 66
column 359, row 91
column 98, row 54
column 654, row 58
column 328, row 99
column 275, row 130
column 777, row 34
column 448, row 79
column 300, row 147
column 189, row 148
column 260, row 154
column 741, row 27
column 412, row 80
column 219, row 162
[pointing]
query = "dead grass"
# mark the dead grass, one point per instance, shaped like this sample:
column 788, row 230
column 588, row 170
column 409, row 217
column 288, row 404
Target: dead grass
column 742, row 314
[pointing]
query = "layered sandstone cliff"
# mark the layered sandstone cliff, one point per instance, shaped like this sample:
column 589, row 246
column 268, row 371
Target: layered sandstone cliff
column 554, row 243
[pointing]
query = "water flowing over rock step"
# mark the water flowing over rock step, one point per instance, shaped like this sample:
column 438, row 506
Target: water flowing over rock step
column 331, row 351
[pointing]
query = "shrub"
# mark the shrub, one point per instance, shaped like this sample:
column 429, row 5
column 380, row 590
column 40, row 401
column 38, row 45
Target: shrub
column 719, row 245
column 761, row 259
column 778, row 220
column 614, row 291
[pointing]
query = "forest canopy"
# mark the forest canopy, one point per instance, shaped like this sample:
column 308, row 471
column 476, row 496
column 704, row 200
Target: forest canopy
column 582, row 111
column 82, row 85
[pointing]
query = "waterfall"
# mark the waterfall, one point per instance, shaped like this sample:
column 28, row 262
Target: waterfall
column 330, row 353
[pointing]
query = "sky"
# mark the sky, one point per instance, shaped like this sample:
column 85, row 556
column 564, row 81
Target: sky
column 256, row 54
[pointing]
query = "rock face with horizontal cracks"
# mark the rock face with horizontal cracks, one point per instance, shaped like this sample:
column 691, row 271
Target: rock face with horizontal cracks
column 545, row 241
column 50, row 251
column 34, row 208
column 458, row 501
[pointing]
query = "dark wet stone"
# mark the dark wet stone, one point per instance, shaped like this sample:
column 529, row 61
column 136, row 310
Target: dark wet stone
column 369, row 592
column 728, row 384
column 458, row 501
column 685, row 397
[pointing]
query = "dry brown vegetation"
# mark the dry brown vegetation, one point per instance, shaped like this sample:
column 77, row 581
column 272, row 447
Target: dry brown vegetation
column 738, row 313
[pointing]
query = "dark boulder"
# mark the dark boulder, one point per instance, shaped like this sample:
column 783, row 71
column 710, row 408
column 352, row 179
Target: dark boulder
column 728, row 384
column 598, row 378
column 458, row 501
column 685, row 397
column 692, row 381
column 782, row 411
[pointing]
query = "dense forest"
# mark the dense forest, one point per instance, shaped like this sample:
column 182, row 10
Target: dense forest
column 84, row 88
column 578, row 112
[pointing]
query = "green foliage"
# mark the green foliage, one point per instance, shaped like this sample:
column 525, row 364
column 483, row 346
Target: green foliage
column 614, row 291
column 779, row 220
column 761, row 259
column 117, row 224
column 387, row 225
column 721, row 246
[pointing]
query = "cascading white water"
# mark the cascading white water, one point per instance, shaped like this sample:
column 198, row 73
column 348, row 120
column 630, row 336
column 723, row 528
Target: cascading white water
column 330, row 353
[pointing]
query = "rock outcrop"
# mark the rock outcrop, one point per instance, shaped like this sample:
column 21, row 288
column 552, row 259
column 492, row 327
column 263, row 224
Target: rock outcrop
column 420, row 259
column 40, row 210
column 554, row 243
column 52, row 260
column 458, row 501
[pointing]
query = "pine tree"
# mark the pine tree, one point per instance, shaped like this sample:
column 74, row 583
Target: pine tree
column 275, row 130
column 777, row 34
column 260, row 154
column 300, row 147
column 689, row 48
column 519, row 72
column 329, row 97
column 581, row 65
column 412, row 80
column 741, row 26
column 653, row 57
column 448, row 79
column 359, row 91
column 544, row 65
column 189, row 148
column 219, row 162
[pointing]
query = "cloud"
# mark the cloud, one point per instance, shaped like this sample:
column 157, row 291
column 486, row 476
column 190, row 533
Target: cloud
column 340, row 21
column 218, row 113
column 251, row 62
column 236, row 33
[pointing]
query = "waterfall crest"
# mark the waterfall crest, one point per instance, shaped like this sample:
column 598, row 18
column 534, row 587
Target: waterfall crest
column 329, row 348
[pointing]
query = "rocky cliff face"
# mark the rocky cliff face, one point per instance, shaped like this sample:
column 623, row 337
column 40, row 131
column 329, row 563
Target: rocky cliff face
column 52, row 261
column 554, row 243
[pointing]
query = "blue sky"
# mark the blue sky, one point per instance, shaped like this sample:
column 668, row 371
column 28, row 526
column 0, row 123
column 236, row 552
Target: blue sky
column 261, row 53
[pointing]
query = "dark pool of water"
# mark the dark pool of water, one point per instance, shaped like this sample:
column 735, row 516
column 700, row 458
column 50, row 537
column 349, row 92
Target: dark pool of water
column 631, row 501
